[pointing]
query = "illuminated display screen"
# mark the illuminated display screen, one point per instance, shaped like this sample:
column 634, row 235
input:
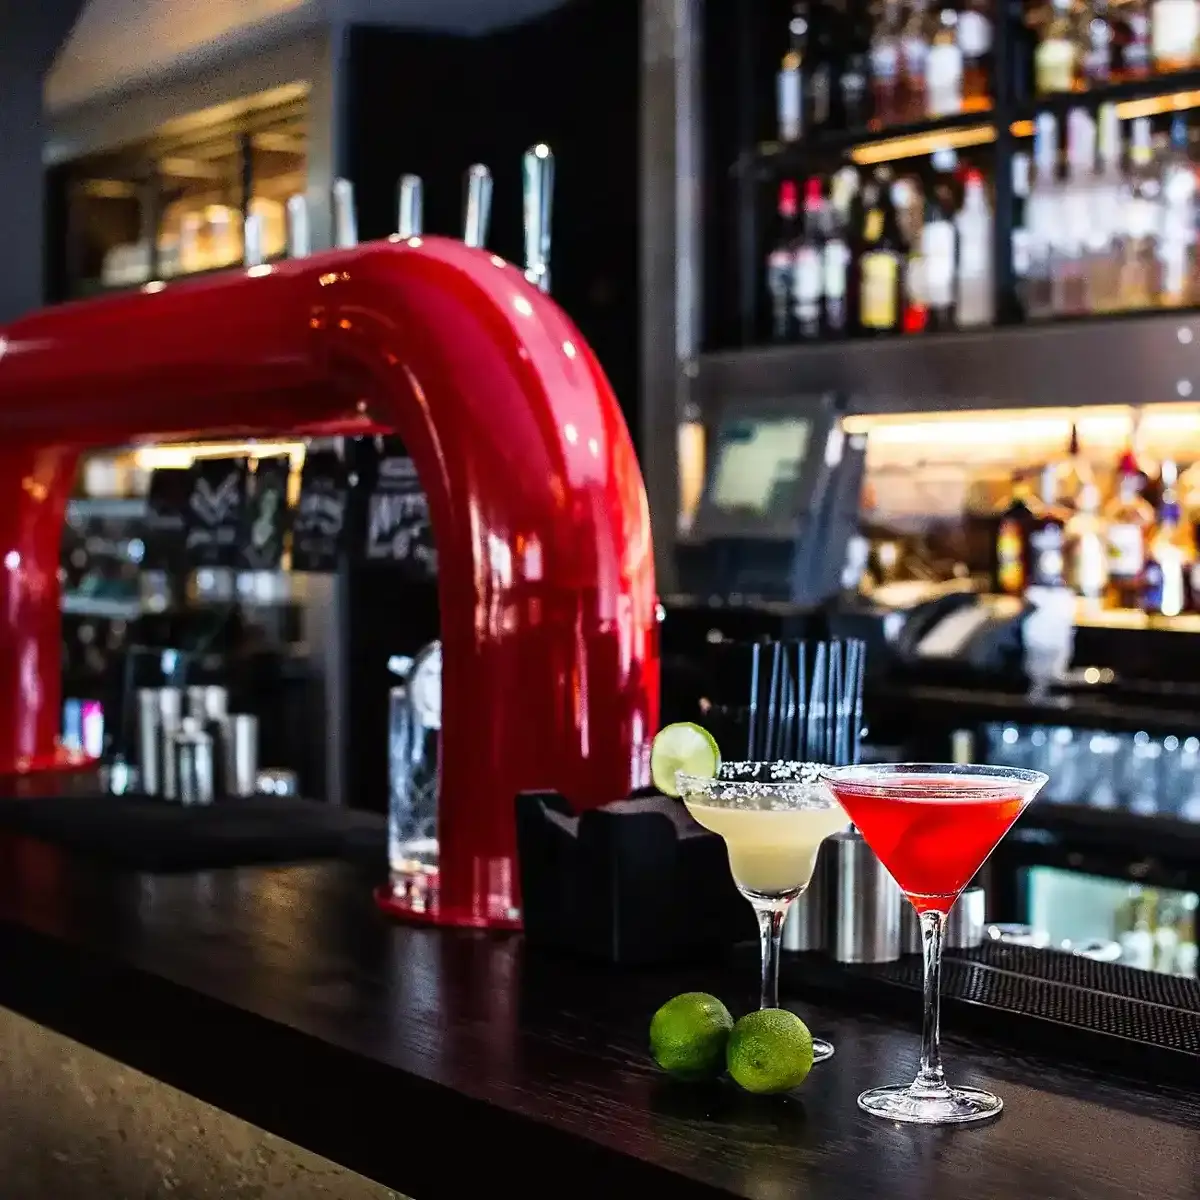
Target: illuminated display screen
column 757, row 464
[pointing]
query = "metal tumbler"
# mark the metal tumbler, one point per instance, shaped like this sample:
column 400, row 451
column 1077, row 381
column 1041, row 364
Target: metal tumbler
column 866, row 906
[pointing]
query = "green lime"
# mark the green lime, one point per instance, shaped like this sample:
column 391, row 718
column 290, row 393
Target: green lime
column 682, row 747
column 769, row 1051
column 688, row 1036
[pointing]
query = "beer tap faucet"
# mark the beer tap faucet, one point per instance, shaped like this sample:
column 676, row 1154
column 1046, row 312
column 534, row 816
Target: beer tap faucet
column 253, row 254
column 299, row 231
column 345, row 220
column 478, row 206
column 411, row 204
column 538, row 199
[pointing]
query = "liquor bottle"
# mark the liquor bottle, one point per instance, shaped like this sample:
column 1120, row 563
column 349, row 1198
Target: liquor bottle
column 789, row 96
column 1073, row 475
column 1171, row 554
column 1042, row 218
column 1056, row 59
column 807, row 280
column 974, row 31
column 939, row 254
column 908, row 198
column 1177, row 247
column 835, row 253
column 1098, row 43
column 944, row 68
column 1133, row 39
column 1012, row 542
column 885, row 66
column 854, row 78
column 1129, row 519
column 1105, row 226
column 1138, row 263
column 975, row 302
column 879, row 264
column 1020, row 230
column 781, row 265
column 1174, row 33
column 914, row 59
column 827, row 36
column 1046, row 537
column 1068, row 266
column 1086, row 549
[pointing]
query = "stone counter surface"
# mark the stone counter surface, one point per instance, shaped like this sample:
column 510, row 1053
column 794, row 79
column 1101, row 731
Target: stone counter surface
column 75, row 1123
column 451, row 1064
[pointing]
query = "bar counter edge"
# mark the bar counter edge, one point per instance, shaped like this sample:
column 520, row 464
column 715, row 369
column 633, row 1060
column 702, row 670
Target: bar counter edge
column 442, row 1063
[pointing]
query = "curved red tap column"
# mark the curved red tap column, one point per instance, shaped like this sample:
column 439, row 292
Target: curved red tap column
column 550, row 661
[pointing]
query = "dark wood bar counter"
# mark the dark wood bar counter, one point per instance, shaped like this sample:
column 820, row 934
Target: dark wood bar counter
column 443, row 1063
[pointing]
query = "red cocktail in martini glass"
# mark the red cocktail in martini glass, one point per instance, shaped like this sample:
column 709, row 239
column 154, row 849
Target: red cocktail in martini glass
column 932, row 826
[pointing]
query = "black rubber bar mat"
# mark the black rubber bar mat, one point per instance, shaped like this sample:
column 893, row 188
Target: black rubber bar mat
column 1101, row 1013
column 154, row 835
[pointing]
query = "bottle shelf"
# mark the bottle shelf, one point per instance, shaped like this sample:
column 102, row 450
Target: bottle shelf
column 1065, row 363
column 886, row 144
column 1148, row 96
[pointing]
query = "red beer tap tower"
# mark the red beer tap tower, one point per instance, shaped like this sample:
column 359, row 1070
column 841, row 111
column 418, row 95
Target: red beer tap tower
column 546, row 577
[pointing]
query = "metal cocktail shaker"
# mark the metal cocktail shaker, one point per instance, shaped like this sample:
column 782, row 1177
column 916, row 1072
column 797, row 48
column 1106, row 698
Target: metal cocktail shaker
column 866, row 904
column 160, row 711
column 193, row 763
column 807, row 924
column 964, row 927
column 241, row 749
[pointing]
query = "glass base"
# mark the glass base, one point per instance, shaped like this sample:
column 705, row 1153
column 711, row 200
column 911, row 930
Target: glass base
column 821, row 1050
column 930, row 1106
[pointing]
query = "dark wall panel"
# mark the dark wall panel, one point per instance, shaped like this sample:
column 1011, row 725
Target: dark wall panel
column 433, row 105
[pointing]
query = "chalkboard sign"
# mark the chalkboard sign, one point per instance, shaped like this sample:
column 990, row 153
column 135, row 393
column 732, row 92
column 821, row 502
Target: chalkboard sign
column 265, row 516
column 215, row 511
column 319, row 522
column 166, row 519
column 398, row 526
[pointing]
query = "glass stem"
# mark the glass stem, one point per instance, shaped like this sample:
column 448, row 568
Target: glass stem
column 930, row 1076
column 770, row 933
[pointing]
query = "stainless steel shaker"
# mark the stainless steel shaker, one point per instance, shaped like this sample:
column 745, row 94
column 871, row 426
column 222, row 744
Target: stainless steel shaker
column 194, row 775
column 964, row 927
column 866, row 904
column 160, row 711
column 241, row 755
column 807, row 923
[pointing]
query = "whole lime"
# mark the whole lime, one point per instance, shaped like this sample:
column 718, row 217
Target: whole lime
column 769, row 1051
column 688, row 1036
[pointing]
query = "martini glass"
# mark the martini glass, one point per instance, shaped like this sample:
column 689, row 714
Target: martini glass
column 773, row 817
column 932, row 826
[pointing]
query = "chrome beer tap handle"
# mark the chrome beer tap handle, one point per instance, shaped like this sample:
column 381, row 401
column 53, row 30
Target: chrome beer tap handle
column 299, row 228
column 538, row 198
column 411, row 205
column 345, row 220
column 478, row 206
column 252, row 241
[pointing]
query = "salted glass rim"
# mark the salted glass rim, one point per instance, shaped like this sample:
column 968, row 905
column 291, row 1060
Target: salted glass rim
column 888, row 779
column 791, row 784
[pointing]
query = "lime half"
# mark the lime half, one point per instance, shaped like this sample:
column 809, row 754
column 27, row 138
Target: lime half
column 684, row 747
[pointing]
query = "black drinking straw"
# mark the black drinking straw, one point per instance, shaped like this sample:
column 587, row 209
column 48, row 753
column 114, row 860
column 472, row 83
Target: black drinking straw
column 772, row 702
column 755, row 656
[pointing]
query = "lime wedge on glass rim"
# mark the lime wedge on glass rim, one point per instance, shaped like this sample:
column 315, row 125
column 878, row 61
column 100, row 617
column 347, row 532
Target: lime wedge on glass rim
column 684, row 747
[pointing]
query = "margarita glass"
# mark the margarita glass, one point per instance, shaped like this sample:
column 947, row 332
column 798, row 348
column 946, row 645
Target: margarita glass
column 773, row 817
column 932, row 826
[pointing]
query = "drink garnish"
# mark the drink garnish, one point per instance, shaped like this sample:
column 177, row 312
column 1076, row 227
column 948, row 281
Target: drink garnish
column 683, row 747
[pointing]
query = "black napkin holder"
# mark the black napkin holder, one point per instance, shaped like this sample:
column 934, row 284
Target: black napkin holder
column 634, row 883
